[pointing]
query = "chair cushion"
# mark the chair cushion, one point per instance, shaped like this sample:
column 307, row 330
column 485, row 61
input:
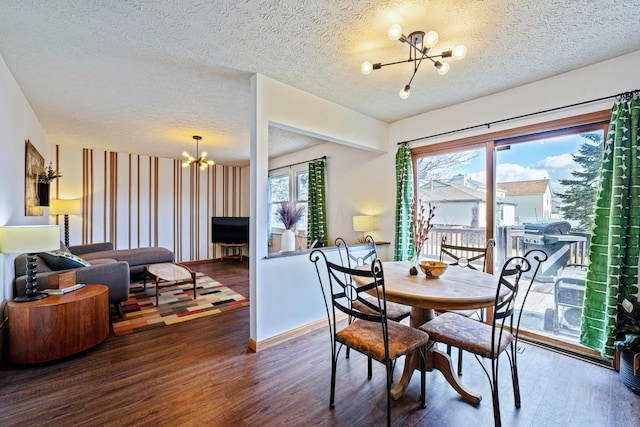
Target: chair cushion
column 59, row 260
column 395, row 311
column 366, row 337
column 467, row 334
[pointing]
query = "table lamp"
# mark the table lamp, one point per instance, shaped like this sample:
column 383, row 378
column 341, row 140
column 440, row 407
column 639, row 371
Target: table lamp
column 29, row 239
column 65, row 207
column 363, row 223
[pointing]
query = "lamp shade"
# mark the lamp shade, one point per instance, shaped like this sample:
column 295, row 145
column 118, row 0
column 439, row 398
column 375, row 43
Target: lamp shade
column 29, row 238
column 363, row 223
column 65, row 207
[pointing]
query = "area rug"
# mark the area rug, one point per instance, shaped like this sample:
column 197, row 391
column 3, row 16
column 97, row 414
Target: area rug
column 176, row 304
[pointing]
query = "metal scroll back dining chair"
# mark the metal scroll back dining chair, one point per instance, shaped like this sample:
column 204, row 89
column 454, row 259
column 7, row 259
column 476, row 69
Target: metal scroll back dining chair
column 489, row 341
column 473, row 257
column 362, row 255
column 371, row 333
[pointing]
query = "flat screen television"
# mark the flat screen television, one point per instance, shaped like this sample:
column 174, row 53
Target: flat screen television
column 227, row 229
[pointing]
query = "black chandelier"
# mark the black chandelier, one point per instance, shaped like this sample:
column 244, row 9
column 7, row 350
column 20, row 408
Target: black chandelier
column 420, row 45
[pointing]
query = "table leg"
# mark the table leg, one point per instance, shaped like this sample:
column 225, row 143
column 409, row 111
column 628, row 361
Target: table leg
column 157, row 291
column 435, row 360
column 193, row 278
column 418, row 317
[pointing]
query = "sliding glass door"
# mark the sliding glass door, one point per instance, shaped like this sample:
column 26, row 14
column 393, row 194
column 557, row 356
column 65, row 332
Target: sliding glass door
column 549, row 185
column 528, row 188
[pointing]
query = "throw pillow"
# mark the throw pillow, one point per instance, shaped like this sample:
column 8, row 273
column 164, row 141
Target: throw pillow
column 59, row 260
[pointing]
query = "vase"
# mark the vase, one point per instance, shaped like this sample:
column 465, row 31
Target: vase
column 288, row 241
column 43, row 194
column 630, row 369
column 414, row 263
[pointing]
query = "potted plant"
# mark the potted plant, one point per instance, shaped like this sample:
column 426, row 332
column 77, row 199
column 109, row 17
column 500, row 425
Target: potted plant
column 44, row 179
column 629, row 344
column 289, row 216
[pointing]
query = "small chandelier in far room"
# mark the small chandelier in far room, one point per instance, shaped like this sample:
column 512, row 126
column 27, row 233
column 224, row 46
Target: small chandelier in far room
column 199, row 160
column 419, row 46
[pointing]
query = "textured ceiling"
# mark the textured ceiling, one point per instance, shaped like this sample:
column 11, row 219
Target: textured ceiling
column 143, row 76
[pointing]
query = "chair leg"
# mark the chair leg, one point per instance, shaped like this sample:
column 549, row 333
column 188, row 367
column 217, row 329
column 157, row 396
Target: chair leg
column 514, row 376
column 448, row 349
column 494, row 393
column 333, row 382
column 459, row 362
column 516, row 386
column 388, row 366
column 369, row 368
column 496, row 409
column 423, row 397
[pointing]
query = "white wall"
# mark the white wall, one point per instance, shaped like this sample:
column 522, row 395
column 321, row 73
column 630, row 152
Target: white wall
column 596, row 81
column 284, row 292
column 17, row 123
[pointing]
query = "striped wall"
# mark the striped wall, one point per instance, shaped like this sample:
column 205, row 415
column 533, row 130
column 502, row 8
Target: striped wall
column 138, row 201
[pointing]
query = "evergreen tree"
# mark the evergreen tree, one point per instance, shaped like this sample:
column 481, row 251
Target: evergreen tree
column 580, row 192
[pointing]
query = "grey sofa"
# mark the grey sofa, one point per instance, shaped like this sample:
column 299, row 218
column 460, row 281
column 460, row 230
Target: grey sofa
column 109, row 266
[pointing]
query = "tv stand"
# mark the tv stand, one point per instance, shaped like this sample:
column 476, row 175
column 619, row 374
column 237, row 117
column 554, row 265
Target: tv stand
column 231, row 251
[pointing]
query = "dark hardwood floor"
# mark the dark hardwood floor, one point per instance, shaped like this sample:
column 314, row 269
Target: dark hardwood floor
column 200, row 373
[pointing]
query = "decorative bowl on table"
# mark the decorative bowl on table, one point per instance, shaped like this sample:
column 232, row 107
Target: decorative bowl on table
column 433, row 269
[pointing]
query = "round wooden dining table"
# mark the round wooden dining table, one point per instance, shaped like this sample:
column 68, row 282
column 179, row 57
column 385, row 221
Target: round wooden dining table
column 458, row 288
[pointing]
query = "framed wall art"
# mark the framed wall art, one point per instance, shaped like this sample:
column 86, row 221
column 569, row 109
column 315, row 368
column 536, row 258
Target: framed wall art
column 33, row 166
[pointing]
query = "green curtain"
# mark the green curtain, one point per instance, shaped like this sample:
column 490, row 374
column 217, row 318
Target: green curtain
column 404, row 195
column 317, row 215
column 612, row 275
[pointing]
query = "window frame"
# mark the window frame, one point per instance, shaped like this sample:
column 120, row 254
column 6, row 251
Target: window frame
column 598, row 120
column 292, row 172
column 568, row 125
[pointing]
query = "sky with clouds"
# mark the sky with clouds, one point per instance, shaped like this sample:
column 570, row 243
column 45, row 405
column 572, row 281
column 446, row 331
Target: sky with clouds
column 545, row 158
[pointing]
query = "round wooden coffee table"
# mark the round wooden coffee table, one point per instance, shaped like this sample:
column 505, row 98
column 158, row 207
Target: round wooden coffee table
column 170, row 272
column 59, row 325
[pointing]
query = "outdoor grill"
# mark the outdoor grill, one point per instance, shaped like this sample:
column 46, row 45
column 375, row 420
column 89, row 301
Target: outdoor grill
column 554, row 238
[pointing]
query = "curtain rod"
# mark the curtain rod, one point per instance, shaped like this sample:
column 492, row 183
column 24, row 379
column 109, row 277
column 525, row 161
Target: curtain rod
column 621, row 96
column 323, row 158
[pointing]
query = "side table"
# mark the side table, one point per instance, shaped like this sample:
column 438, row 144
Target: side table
column 59, row 325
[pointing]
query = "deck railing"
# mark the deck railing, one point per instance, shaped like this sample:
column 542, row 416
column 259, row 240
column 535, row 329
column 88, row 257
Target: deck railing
column 509, row 242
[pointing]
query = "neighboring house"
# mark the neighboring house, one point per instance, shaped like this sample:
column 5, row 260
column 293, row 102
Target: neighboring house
column 532, row 199
column 460, row 201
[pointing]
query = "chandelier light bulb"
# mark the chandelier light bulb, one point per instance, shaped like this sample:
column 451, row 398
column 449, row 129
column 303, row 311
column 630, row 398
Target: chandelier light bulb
column 395, row 32
column 405, row 92
column 366, row 67
column 460, row 52
column 443, row 68
column 431, row 39
column 185, row 154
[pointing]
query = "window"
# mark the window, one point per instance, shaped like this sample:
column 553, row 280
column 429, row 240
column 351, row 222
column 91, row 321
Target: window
column 289, row 185
column 534, row 191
